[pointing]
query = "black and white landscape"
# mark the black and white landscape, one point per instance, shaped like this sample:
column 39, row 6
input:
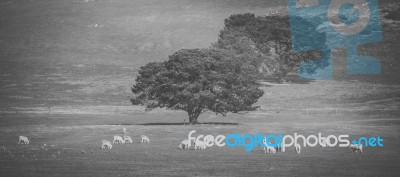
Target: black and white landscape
column 68, row 69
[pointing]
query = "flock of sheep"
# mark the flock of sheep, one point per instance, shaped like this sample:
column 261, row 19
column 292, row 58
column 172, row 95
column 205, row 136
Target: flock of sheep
column 198, row 145
column 272, row 150
column 105, row 143
column 125, row 140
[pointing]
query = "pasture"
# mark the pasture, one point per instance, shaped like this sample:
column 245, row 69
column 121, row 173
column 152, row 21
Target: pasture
column 77, row 140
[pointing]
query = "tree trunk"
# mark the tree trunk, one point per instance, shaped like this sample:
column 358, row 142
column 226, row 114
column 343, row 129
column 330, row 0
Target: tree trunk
column 193, row 118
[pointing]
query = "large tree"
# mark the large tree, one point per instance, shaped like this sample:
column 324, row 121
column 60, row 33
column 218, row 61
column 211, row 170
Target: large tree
column 265, row 43
column 196, row 81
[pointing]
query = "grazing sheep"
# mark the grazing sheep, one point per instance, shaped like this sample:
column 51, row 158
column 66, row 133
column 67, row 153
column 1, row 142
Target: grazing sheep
column 118, row 139
column 184, row 144
column 298, row 148
column 23, row 140
column 356, row 148
column 145, row 139
column 199, row 145
column 106, row 144
column 268, row 149
column 128, row 139
column 209, row 140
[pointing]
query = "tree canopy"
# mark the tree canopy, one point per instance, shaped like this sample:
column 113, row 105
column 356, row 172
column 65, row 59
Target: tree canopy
column 196, row 81
column 266, row 41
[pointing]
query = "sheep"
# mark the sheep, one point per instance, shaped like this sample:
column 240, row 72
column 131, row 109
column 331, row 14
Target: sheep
column 106, row 144
column 128, row 139
column 23, row 140
column 268, row 149
column 118, row 139
column 184, row 144
column 298, row 148
column 145, row 139
column 124, row 129
column 356, row 147
column 209, row 140
column 199, row 145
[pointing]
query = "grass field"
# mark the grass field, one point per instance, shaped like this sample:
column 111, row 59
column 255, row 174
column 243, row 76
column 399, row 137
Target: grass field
column 77, row 139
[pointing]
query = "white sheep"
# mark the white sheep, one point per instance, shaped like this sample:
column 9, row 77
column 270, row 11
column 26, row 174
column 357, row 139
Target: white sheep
column 356, row 147
column 199, row 145
column 118, row 139
column 145, row 139
column 267, row 148
column 128, row 139
column 23, row 140
column 298, row 148
column 106, row 144
column 209, row 140
column 184, row 144
column 124, row 129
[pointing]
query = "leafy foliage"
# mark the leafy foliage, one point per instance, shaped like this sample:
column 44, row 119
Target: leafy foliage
column 266, row 41
column 196, row 81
